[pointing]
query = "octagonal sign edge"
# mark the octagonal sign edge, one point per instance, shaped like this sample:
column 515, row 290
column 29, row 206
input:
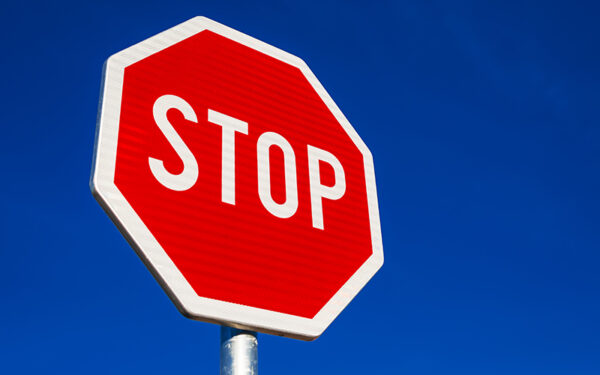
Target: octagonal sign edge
column 113, row 201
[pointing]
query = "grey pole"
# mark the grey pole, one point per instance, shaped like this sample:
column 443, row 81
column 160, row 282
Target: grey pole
column 239, row 352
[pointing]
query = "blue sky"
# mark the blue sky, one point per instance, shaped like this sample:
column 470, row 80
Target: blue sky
column 483, row 121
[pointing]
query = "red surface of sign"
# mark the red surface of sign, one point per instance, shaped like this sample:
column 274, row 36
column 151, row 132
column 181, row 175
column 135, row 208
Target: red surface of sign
column 241, row 252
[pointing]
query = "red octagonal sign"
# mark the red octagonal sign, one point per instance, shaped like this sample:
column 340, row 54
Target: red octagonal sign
column 237, row 180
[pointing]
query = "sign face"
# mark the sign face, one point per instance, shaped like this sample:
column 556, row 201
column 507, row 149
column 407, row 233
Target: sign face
column 236, row 178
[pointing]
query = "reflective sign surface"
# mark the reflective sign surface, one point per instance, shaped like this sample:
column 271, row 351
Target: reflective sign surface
column 237, row 180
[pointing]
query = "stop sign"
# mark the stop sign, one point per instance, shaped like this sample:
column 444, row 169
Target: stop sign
column 237, row 180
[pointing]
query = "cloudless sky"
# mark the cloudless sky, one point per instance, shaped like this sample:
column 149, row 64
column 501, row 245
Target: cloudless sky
column 483, row 121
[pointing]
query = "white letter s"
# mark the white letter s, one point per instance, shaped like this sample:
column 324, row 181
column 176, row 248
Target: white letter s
column 187, row 178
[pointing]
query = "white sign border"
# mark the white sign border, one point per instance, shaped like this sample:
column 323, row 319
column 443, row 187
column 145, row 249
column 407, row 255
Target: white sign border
column 147, row 247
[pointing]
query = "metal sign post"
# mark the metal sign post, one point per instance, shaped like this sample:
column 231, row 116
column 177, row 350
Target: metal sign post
column 239, row 352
